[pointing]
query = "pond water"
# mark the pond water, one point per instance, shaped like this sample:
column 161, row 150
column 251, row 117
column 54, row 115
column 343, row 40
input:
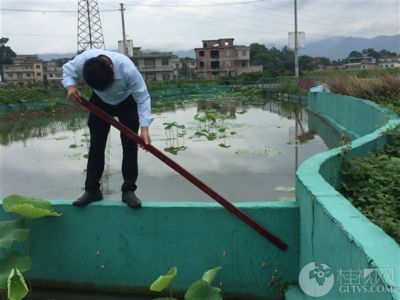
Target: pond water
column 244, row 150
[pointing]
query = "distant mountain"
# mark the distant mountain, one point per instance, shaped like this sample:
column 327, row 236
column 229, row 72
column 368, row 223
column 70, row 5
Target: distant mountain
column 333, row 48
column 50, row 56
column 185, row 53
column 340, row 47
column 179, row 53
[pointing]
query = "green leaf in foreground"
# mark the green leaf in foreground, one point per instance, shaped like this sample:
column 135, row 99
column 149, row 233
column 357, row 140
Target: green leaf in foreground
column 201, row 290
column 210, row 275
column 10, row 231
column 27, row 207
column 13, row 260
column 163, row 281
column 17, row 288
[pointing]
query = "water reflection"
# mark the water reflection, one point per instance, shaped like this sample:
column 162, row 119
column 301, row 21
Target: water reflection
column 22, row 131
column 243, row 150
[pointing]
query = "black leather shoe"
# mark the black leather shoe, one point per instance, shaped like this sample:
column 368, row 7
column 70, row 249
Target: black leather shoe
column 130, row 198
column 88, row 198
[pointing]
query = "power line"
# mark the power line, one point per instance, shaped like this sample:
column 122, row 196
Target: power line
column 234, row 22
column 194, row 21
column 49, row 11
column 194, row 6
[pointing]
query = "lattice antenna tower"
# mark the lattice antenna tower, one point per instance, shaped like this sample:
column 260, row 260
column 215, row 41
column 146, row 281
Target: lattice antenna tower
column 90, row 33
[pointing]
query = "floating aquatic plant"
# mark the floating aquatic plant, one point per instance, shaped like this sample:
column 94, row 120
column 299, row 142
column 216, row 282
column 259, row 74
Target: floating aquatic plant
column 288, row 189
column 175, row 150
column 59, row 138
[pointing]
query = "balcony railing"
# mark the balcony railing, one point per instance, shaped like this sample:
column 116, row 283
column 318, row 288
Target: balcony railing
column 155, row 68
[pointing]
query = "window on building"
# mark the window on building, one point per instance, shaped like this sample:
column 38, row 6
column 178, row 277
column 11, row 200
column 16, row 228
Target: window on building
column 11, row 75
column 37, row 66
column 165, row 61
column 227, row 52
column 6, row 68
column 215, row 45
column 228, row 63
column 28, row 74
column 149, row 62
column 151, row 77
column 244, row 63
column 214, row 73
column 214, row 54
column 204, row 45
column 201, row 53
column 202, row 64
column 214, row 64
column 19, row 76
column 244, row 52
column 165, row 77
column 38, row 74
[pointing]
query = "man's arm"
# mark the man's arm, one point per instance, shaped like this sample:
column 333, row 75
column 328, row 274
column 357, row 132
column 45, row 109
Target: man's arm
column 139, row 91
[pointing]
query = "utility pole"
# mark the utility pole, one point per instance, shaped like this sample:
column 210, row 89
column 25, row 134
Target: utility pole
column 123, row 30
column 296, row 54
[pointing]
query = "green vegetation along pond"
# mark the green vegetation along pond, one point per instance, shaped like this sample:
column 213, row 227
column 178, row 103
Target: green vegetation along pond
column 245, row 150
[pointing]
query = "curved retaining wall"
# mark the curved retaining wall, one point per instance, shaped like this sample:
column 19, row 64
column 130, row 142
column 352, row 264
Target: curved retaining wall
column 332, row 230
column 110, row 246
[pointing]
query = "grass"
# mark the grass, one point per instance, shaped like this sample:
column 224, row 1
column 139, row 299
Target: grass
column 383, row 89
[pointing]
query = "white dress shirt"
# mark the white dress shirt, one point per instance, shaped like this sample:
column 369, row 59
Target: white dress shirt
column 128, row 81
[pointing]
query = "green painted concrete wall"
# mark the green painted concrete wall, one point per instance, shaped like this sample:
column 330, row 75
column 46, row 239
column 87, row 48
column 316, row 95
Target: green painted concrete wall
column 349, row 114
column 108, row 245
column 332, row 231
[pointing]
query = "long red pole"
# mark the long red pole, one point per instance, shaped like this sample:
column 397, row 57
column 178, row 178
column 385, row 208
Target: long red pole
column 201, row 185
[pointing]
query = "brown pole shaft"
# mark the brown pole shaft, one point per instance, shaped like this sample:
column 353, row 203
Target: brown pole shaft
column 194, row 180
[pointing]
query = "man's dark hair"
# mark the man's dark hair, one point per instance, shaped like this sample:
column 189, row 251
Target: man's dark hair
column 98, row 73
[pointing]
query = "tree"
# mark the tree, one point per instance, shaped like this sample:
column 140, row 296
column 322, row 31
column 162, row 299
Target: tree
column 307, row 63
column 323, row 61
column 386, row 53
column 354, row 54
column 372, row 53
column 6, row 53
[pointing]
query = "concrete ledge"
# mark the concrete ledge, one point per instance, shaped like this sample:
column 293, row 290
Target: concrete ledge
column 332, row 231
column 110, row 246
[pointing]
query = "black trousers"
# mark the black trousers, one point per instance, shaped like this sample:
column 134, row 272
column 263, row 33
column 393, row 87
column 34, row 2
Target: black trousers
column 127, row 114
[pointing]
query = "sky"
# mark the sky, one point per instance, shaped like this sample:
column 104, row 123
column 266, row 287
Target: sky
column 50, row 26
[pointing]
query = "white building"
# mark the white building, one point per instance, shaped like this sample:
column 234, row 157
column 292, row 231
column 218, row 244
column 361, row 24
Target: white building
column 389, row 62
column 26, row 69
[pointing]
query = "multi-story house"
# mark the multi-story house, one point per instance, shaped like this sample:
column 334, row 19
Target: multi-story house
column 361, row 62
column 389, row 62
column 26, row 69
column 222, row 58
column 154, row 66
column 53, row 73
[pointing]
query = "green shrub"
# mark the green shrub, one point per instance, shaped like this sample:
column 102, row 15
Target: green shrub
column 372, row 184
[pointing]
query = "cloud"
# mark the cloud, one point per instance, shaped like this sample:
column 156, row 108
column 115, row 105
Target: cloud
column 181, row 25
